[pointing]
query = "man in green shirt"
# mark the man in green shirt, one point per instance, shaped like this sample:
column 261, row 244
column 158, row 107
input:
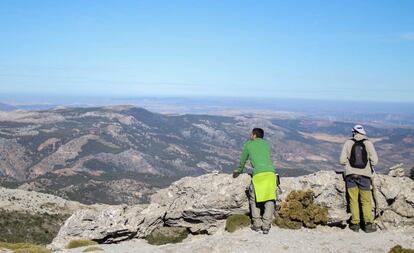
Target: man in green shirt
column 262, row 191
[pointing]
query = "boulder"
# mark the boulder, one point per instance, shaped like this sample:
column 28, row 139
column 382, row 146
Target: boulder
column 397, row 171
column 110, row 224
column 395, row 200
column 329, row 189
column 203, row 203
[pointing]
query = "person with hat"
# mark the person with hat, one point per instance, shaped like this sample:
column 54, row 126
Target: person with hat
column 359, row 156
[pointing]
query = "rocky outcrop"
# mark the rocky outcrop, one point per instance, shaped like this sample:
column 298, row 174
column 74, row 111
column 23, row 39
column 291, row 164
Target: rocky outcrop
column 201, row 204
column 15, row 200
column 395, row 201
column 329, row 189
column 397, row 171
column 393, row 196
column 110, row 224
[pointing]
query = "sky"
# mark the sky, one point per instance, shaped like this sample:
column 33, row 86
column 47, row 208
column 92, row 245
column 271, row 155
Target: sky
column 337, row 50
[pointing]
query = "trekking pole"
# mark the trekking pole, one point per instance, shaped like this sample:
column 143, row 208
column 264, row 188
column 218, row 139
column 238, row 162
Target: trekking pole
column 278, row 193
column 374, row 193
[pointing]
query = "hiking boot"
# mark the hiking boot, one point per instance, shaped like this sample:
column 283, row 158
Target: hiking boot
column 265, row 229
column 354, row 227
column 255, row 228
column 370, row 227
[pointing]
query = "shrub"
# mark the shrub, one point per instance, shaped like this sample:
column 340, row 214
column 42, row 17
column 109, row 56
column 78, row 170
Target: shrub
column 237, row 221
column 164, row 235
column 24, row 227
column 399, row 249
column 24, row 247
column 287, row 223
column 91, row 249
column 299, row 209
column 80, row 243
column 412, row 173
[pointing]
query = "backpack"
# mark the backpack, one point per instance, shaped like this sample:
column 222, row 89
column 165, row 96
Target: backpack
column 359, row 155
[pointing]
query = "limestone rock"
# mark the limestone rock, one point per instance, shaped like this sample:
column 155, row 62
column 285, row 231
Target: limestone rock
column 397, row 171
column 394, row 197
column 109, row 224
column 329, row 189
column 202, row 204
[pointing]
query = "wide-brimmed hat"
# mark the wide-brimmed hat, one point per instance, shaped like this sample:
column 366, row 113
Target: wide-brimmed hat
column 359, row 129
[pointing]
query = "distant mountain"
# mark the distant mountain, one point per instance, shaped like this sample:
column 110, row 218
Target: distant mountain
column 122, row 154
column 6, row 107
column 28, row 107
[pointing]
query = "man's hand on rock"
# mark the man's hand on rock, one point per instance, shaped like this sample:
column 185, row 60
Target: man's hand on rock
column 236, row 173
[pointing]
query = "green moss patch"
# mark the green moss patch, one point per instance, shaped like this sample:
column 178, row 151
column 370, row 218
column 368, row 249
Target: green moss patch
column 237, row 221
column 91, row 249
column 299, row 209
column 80, row 243
column 24, row 227
column 399, row 249
column 287, row 223
column 164, row 235
column 32, row 250
column 13, row 246
column 24, row 247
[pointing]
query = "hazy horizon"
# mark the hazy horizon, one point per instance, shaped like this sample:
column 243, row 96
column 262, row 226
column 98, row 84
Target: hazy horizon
column 206, row 104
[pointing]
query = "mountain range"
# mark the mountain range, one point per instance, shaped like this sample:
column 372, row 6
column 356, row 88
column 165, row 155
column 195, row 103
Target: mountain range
column 123, row 154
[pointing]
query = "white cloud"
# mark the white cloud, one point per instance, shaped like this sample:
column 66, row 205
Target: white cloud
column 408, row 36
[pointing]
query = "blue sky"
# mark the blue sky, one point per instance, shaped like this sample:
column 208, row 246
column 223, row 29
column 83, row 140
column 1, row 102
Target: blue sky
column 345, row 50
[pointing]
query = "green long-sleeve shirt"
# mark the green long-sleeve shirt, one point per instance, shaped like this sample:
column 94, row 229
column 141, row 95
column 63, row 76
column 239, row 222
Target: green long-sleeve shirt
column 258, row 152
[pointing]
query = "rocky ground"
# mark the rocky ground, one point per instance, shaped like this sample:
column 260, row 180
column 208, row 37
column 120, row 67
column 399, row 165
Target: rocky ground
column 322, row 239
column 15, row 200
column 202, row 204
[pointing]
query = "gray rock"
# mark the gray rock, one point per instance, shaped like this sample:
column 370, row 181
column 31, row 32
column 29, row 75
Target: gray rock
column 329, row 189
column 394, row 195
column 110, row 224
column 201, row 204
column 397, row 171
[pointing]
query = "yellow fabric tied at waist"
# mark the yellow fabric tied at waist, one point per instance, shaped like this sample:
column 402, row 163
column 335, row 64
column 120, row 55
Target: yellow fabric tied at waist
column 264, row 186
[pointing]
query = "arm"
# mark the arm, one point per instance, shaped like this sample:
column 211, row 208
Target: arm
column 243, row 159
column 372, row 154
column 343, row 159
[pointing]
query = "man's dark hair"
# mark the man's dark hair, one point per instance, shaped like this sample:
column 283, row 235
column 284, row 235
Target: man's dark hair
column 258, row 132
